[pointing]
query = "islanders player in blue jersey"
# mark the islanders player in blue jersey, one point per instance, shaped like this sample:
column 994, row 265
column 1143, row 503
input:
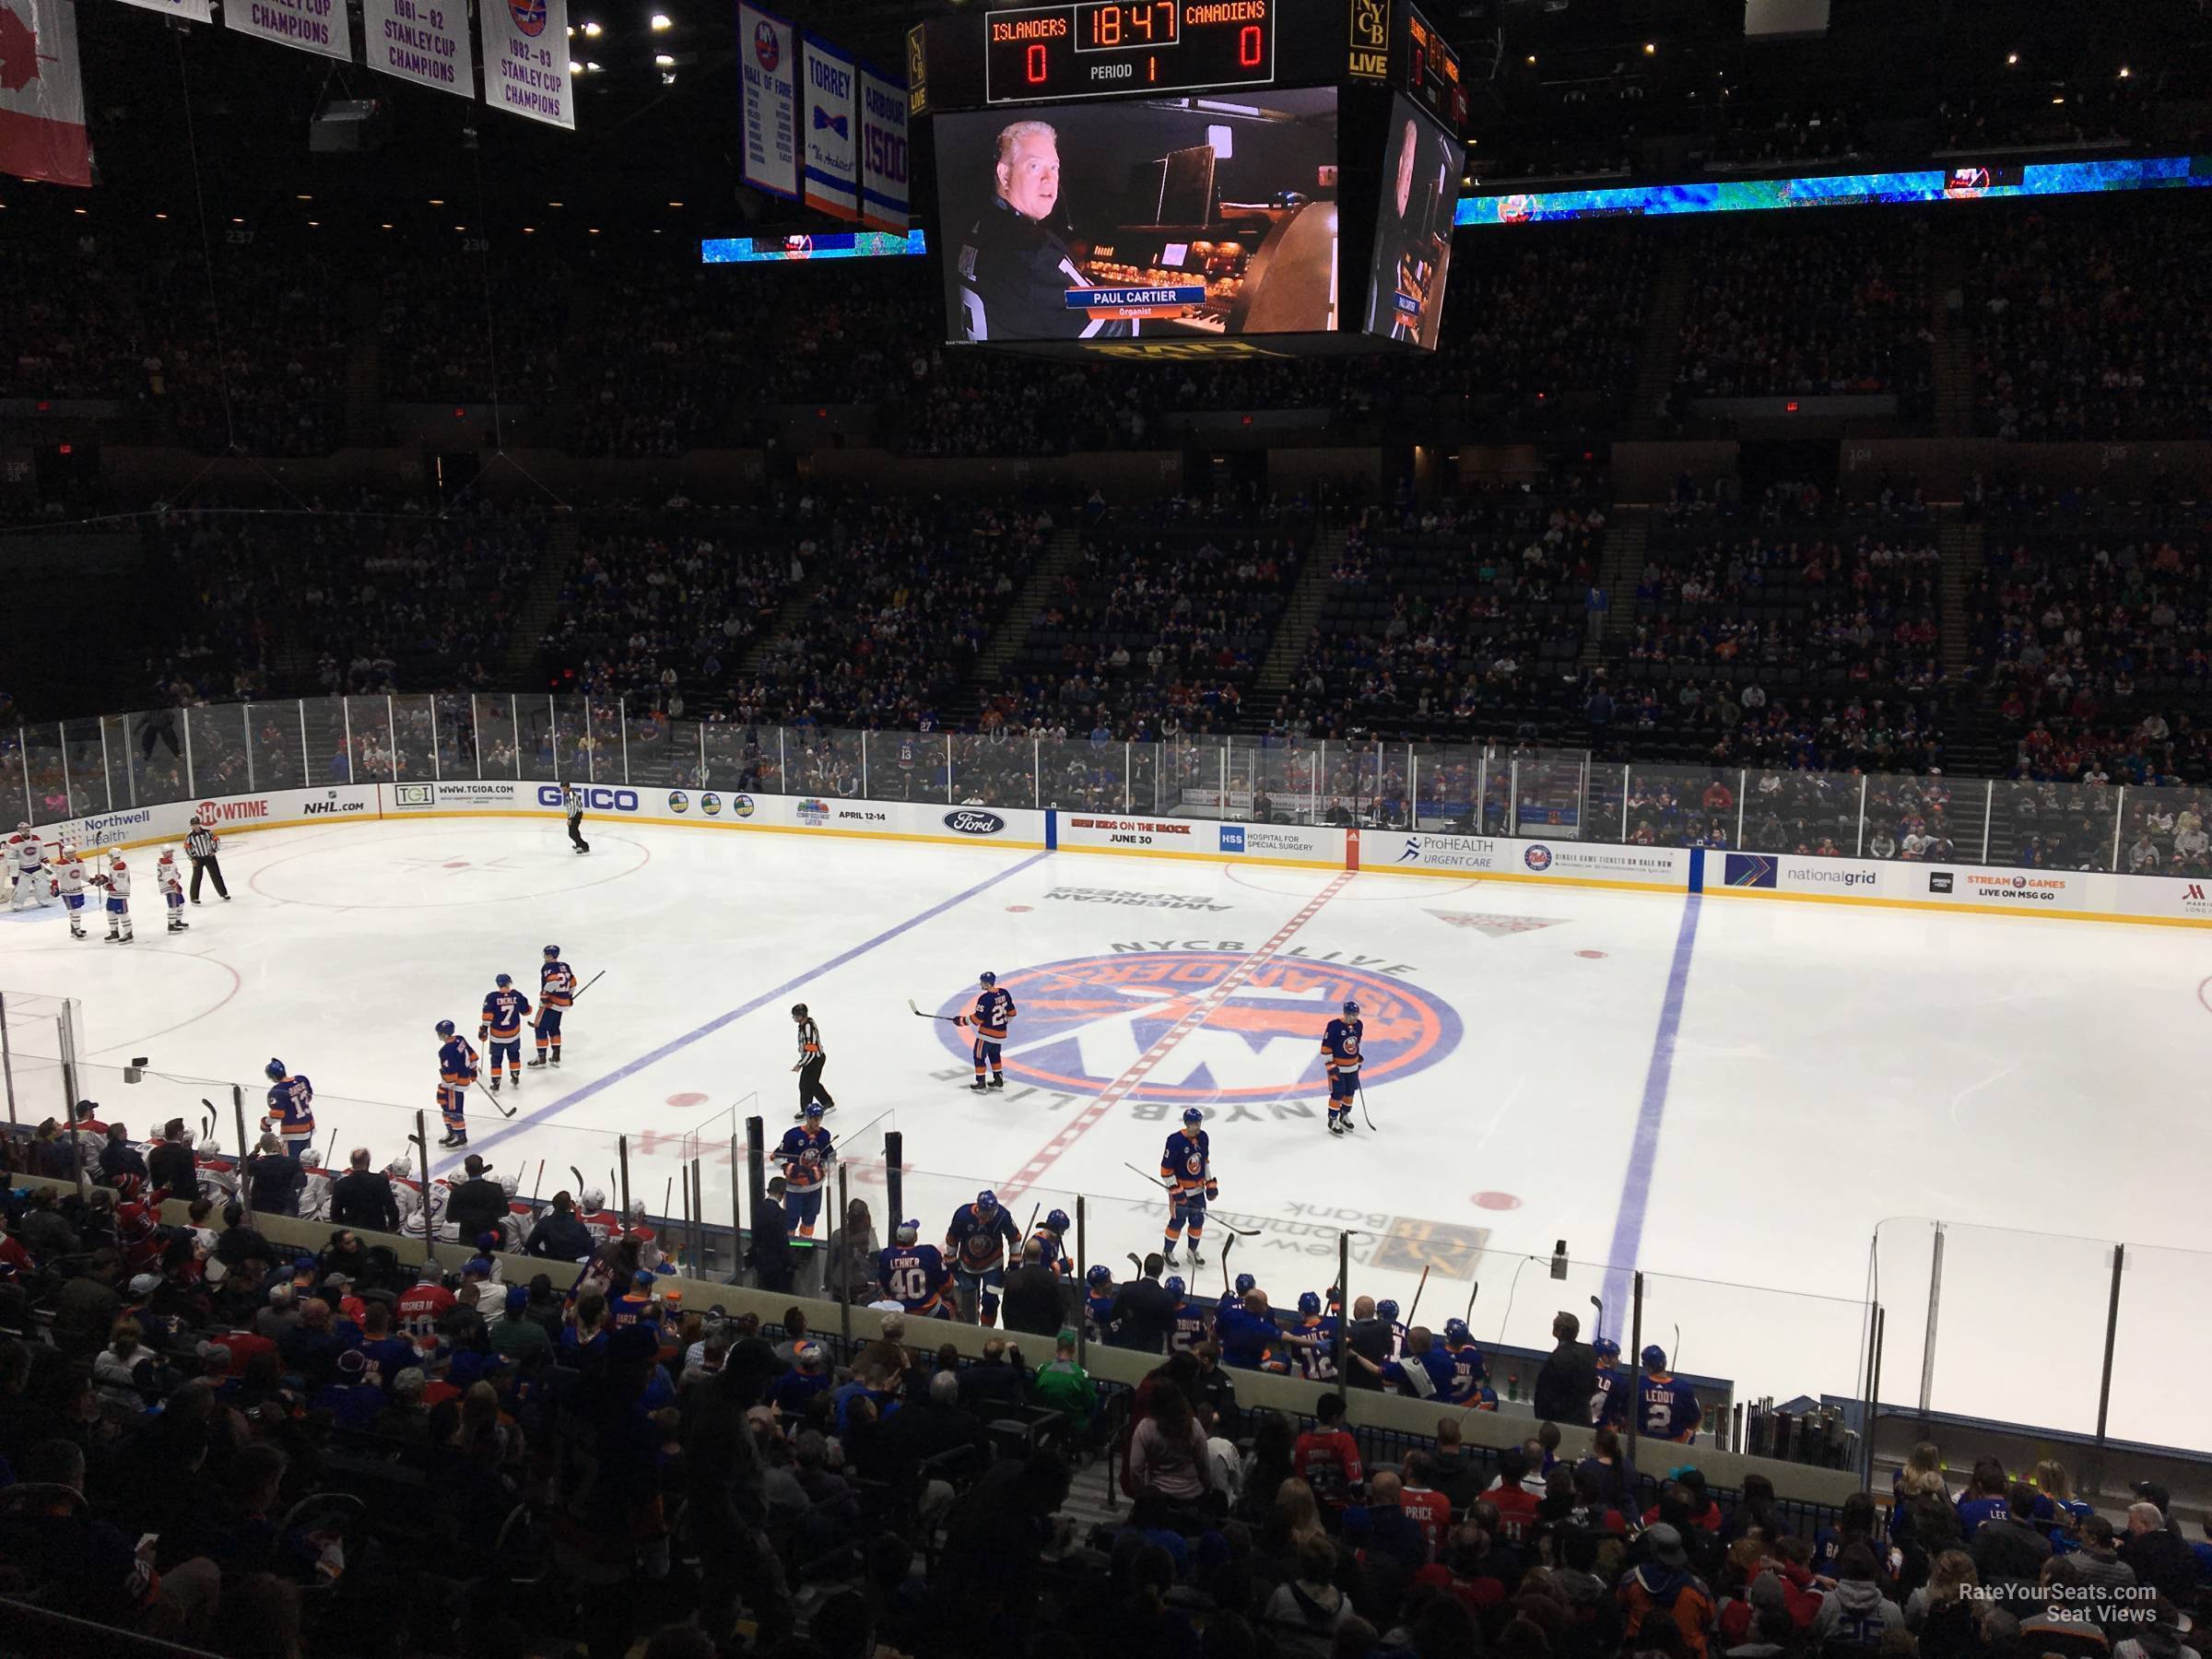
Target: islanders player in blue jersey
column 1051, row 1239
column 1340, row 1055
column 1609, row 1391
column 1312, row 1340
column 556, row 992
column 806, row 1156
column 977, row 1242
column 1187, row 1326
column 1098, row 1302
column 912, row 1274
column 993, row 1013
column 1470, row 1384
column 457, row 1071
column 1186, row 1170
column 291, row 1109
column 500, row 1024
column 1667, row 1407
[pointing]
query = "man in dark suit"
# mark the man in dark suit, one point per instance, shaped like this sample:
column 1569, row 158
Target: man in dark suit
column 1568, row 1377
column 478, row 1204
column 1143, row 1311
column 171, row 1163
column 362, row 1197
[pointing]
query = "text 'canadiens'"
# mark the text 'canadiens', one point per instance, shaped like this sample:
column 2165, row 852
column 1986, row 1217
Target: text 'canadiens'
column 1228, row 11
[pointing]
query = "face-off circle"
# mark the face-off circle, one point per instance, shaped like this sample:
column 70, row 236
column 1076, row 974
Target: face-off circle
column 1083, row 1023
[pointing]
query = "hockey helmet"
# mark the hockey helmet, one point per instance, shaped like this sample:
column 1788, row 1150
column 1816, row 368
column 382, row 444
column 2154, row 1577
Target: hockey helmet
column 814, row 1112
column 986, row 1202
column 445, row 1028
column 168, row 855
column 510, row 1183
column 906, row 1232
column 1246, row 1284
column 1388, row 1310
column 1605, row 1347
column 986, row 979
column 1192, row 1117
column 1654, row 1358
column 274, row 1070
column 1175, row 1286
column 502, row 981
column 1455, row 1331
column 552, row 953
column 593, row 1200
column 1101, row 1275
column 1351, row 1010
column 403, row 1166
column 1056, row 1222
column 1309, row 1303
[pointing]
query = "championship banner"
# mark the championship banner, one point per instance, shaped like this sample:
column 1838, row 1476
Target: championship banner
column 426, row 42
column 828, row 122
column 526, row 59
column 316, row 26
column 192, row 11
column 42, row 94
column 768, row 62
column 883, row 189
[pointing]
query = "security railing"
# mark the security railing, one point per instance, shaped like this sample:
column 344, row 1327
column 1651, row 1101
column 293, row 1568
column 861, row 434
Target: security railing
column 118, row 763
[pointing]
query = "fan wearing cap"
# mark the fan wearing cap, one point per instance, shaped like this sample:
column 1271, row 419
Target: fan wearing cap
column 631, row 1304
column 1664, row 1588
column 807, row 1155
column 1667, row 1407
column 351, row 1397
column 794, row 1390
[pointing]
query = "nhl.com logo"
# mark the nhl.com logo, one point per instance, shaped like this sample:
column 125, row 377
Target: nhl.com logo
column 1538, row 857
column 678, row 801
column 711, row 803
column 1247, row 1034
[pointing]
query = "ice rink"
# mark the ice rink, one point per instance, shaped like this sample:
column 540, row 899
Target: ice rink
column 1729, row 1093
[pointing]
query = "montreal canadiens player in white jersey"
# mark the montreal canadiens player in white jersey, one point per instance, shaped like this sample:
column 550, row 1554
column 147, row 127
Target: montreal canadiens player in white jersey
column 171, row 883
column 11, row 851
column 34, row 882
column 116, row 882
column 69, row 882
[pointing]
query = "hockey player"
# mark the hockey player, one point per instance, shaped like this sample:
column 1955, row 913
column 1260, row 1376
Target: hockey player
column 1667, row 1407
column 1311, row 1341
column 116, row 882
column 598, row 1220
column 1098, row 1302
column 914, row 1274
column 1609, row 1395
column 976, row 1243
column 69, row 882
column 993, row 1013
column 500, row 1024
column 406, row 1192
column 809, row 1064
column 1051, row 1239
column 11, row 856
column 34, row 882
column 1186, row 1170
column 1470, row 1384
column 291, row 1111
column 1234, row 1297
column 807, row 1156
column 171, row 883
column 556, row 992
column 1340, row 1054
column 1187, row 1325
column 457, row 1071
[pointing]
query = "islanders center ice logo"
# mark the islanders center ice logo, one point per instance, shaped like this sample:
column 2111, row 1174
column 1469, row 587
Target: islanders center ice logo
column 1081, row 1024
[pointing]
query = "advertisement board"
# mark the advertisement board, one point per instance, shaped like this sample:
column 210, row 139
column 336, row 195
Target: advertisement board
column 1902, row 882
column 1598, row 864
column 226, row 814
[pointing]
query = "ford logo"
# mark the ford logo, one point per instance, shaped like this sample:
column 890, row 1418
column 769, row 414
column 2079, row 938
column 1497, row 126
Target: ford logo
column 972, row 822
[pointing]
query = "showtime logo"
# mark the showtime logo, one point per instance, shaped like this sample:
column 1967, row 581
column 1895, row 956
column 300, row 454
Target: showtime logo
column 230, row 812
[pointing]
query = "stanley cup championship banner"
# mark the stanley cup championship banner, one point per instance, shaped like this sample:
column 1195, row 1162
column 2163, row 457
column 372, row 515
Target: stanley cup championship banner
column 426, row 42
column 192, row 11
column 768, row 63
column 883, row 191
column 317, row 26
column 526, row 60
column 830, row 82
column 42, row 94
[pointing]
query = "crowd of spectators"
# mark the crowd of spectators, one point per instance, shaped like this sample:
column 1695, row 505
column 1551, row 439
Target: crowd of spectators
column 73, row 324
column 2091, row 329
column 254, row 358
column 1750, row 140
column 1811, row 310
column 325, row 1450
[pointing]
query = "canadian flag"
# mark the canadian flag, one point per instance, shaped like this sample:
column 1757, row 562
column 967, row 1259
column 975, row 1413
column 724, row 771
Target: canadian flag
column 42, row 94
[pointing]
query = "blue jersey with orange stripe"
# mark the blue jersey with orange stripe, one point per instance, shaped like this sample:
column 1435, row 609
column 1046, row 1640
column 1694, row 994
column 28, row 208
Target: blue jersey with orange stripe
column 993, row 1011
column 1187, row 1164
column 556, row 985
column 292, row 1104
column 806, row 1155
column 457, row 1062
column 504, row 1012
column 913, row 1275
column 1340, row 1046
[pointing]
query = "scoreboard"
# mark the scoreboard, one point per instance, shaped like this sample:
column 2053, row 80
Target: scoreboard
column 1175, row 178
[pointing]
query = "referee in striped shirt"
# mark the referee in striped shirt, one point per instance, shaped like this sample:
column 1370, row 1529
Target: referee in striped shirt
column 810, row 1062
column 199, row 846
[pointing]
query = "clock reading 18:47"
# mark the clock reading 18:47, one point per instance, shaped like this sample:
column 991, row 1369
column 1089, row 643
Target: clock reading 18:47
column 1124, row 25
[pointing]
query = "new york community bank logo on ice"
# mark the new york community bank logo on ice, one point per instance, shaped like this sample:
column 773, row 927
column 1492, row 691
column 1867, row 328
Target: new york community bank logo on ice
column 1082, row 1023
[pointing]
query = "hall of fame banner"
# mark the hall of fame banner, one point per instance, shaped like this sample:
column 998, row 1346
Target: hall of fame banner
column 768, row 67
column 526, row 60
column 426, row 42
column 317, row 26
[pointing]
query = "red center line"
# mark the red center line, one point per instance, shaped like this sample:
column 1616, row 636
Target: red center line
column 1141, row 1067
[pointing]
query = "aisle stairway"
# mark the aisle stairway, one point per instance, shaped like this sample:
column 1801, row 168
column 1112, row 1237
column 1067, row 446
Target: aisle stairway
column 1953, row 355
column 1059, row 557
column 1662, row 347
column 563, row 546
column 1307, row 597
column 364, row 415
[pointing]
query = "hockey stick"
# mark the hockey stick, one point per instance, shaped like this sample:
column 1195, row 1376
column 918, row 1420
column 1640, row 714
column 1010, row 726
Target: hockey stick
column 496, row 1104
column 580, row 1181
column 1241, row 1233
column 1415, row 1305
column 1363, row 1111
column 1675, row 1359
column 208, row 1123
column 667, row 1191
column 1474, row 1290
column 1137, row 1263
column 539, row 1182
column 1030, row 1232
column 1598, row 1302
column 947, row 1019
column 1155, row 1179
column 590, row 982
column 1225, row 1250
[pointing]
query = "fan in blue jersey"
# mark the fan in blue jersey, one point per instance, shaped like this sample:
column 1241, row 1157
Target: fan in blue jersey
column 911, row 1273
column 806, row 1155
column 1470, row 1377
column 291, row 1109
column 500, row 1025
column 1186, row 1324
column 993, row 1013
column 1667, row 1407
column 977, row 1242
column 1340, row 1055
column 1186, row 1170
column 1097, row 1302
column 1051, row 1239
column 457, row 1071
column 1609, row 1391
